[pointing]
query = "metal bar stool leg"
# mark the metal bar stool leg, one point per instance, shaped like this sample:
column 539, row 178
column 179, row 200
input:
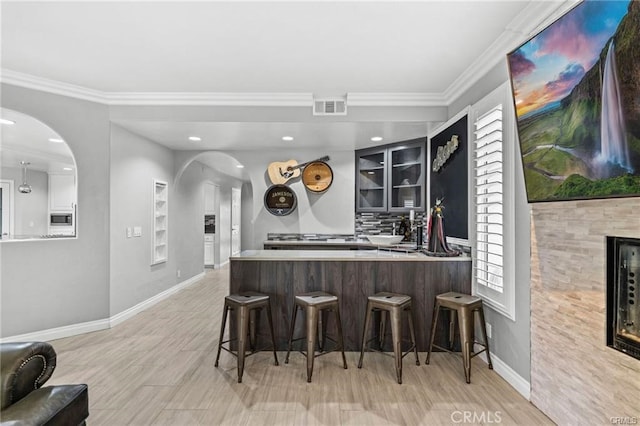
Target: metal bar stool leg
column 340, row 336
column 243, row 324
column 413, row 334
column 396, row 336
column 312, row 329
column 483, row 328
column 382, row 329
column 465, row 323
column 434, row 326
column 224, row 322
column 291, row 328
column 367, row 318
column 273, row 335
column 322, row 328
column 452, row 327
column 252, row 329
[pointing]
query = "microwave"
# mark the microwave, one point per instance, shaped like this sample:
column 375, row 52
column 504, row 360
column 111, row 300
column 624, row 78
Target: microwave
column 61, row 219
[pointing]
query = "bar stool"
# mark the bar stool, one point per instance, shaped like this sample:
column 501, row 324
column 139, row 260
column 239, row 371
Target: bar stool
column 464, row 305
column 315, row 304
column 245, row 305
column 395, row 304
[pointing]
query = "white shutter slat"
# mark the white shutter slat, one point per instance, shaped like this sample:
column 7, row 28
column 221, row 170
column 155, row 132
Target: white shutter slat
column 488, row 197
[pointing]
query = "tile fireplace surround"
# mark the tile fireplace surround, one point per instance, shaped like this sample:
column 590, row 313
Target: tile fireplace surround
column 575, row 377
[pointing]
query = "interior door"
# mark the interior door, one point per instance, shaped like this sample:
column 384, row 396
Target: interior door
column 6, row 208
column 235, row 220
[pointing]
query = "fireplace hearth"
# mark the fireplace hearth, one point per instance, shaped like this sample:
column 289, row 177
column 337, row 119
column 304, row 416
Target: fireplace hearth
column 623, row 307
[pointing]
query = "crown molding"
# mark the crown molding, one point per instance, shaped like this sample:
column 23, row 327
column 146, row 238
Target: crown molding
column 396, row 99
column 212, row 98
column 50, row 86
column 535, row 17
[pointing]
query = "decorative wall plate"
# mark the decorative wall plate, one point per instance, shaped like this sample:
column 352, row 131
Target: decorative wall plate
column 317, row 176
column 280, row 200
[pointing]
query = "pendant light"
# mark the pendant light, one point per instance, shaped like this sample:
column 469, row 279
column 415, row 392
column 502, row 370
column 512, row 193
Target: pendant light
column 25, row 188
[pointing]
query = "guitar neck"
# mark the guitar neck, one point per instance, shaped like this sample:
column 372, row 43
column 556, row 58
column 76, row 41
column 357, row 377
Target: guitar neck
column 325, row 158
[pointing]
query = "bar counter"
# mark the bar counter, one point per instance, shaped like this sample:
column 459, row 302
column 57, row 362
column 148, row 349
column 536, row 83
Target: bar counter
column 352, row 275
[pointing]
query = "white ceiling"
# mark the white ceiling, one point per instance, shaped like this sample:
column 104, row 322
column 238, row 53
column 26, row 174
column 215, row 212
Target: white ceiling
column 244, row 55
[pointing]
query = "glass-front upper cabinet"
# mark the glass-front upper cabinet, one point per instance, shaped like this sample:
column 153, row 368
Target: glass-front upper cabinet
column 391, row 178
column 406, row 177
column 371, row 178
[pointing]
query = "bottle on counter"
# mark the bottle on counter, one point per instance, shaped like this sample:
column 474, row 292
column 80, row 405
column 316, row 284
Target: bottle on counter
column 403, row 229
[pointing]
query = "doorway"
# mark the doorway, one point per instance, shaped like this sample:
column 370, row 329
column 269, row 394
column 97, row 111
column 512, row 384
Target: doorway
column 235, row 220
column 211, row 220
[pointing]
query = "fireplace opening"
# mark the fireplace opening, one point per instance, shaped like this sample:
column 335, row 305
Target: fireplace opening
column 623, row 309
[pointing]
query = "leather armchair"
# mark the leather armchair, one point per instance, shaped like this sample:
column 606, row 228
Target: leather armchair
column 24, row 368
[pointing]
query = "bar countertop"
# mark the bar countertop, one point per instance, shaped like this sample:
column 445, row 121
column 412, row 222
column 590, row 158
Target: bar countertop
column 342, row 255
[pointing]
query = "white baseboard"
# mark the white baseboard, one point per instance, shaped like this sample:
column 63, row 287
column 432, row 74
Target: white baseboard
column 59, row 332
column 102, row 324
column 514, row 379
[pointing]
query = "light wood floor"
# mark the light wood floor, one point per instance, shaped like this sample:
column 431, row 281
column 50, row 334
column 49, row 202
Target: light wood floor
column 158, row 368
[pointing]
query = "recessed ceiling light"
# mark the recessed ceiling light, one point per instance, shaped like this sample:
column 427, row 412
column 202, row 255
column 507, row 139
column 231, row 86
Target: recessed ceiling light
column 195, row 138
column 240, row 166
column 376, row 138
column 68, row 169
column 55, row 140
column 287, row 138
column 5, row 121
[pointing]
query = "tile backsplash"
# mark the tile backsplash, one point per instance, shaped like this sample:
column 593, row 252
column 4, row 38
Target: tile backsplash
column 382, row 223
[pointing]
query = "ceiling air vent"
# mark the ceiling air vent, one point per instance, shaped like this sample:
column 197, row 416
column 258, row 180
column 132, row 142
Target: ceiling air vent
column 329, row 107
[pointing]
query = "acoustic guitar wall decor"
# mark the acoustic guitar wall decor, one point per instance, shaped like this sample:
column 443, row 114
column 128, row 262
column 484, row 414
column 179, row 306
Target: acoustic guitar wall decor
column 280, row 172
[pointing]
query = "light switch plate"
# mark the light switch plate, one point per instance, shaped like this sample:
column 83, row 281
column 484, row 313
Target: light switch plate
column 137, row 231
column 129, row 232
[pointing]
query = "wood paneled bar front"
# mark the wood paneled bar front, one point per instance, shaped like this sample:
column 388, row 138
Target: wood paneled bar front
column 352, row 276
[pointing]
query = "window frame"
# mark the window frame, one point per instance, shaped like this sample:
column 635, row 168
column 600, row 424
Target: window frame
column 502, row 302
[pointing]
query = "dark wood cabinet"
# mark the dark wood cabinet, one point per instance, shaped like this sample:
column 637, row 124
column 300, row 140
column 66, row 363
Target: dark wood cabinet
column 391, row 178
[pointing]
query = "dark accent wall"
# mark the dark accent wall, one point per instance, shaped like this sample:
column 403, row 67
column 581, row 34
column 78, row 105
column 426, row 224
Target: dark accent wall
column 451, row 180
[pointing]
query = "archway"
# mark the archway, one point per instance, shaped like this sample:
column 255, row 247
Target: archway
column 38, row 180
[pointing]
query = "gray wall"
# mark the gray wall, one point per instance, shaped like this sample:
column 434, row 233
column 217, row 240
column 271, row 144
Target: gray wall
column 331, row 212
column 135, row 163
column 511, row 339
column 31, row 210
column 52, row 283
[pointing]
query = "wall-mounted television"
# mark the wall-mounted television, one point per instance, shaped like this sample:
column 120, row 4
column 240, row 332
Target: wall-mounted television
column 576, row 91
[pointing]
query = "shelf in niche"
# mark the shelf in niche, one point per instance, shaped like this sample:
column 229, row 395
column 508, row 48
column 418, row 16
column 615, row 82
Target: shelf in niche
column 160, row 213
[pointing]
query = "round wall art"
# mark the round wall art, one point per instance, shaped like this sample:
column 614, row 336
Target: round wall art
column 280, row 200
column 317, row 176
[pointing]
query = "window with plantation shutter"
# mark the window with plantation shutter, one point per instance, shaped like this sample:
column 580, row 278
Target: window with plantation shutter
column 492, row 198
column 488, row 199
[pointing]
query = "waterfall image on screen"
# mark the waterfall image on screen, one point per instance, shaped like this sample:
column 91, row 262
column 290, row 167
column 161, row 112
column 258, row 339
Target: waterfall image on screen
column 576, row 87
column 613, row 137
